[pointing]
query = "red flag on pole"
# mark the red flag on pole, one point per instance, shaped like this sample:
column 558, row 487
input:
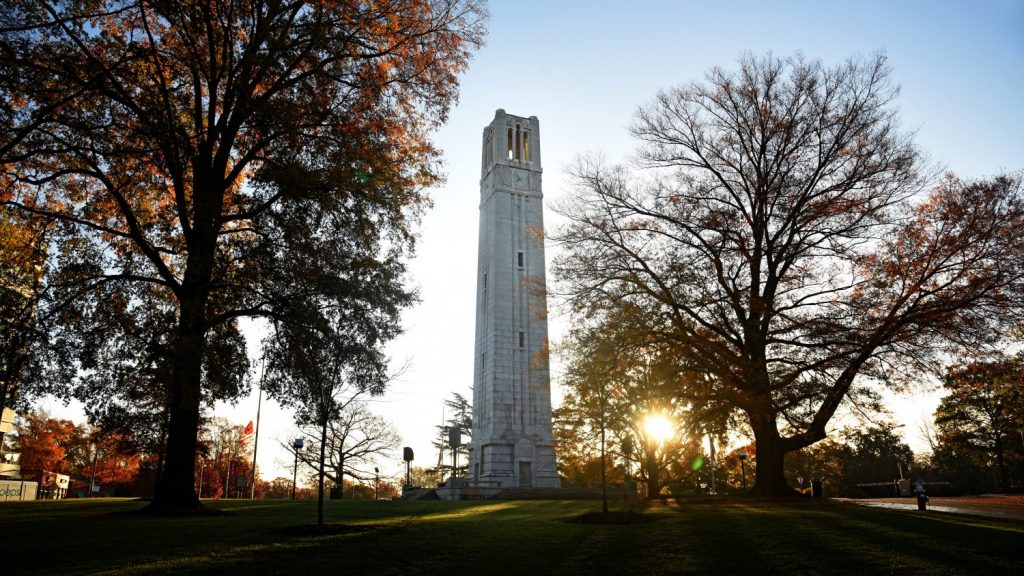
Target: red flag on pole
column 246, row 434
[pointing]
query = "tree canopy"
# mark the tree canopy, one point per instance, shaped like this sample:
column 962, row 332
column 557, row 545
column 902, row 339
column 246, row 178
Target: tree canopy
column 788, row 240
column 22, row 264
column 617, row 379
column 201, row 160
column 983, row 416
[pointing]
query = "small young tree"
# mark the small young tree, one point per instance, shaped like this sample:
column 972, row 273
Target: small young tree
column 326, row 352
column 633, row 382
column 356, row 440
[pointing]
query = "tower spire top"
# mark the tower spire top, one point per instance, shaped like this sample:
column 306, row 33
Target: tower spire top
column 511, row 141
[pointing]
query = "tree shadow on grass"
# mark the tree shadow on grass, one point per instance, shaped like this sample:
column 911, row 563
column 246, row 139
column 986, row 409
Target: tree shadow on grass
column 306, row 530
column 150, row 512
column 814, row 538
column 612, row 517
column 934, row 542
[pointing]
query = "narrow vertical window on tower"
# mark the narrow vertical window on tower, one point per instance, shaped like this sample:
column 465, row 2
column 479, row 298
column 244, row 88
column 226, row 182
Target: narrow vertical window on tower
column 510, row 143
column 526, row 145
column 520, row 259
column 518, row 149
column 522, row 340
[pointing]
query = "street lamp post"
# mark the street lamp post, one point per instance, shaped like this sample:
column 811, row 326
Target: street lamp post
column 376, row 482
column 297, row 445
column 743, row 467
column 407, row 455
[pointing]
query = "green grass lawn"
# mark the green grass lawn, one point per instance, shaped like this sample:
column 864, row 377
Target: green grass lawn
column 530, row 538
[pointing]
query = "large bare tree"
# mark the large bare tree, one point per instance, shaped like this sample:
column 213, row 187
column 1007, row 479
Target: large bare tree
column 782, row 239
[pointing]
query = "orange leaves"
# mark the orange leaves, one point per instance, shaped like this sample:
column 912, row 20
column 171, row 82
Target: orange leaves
column 48, row 443
column 959, row 245
column 189, row 141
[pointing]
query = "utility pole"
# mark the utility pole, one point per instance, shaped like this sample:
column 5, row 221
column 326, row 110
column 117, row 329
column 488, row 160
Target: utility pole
column 92, row 479
column 256, row 434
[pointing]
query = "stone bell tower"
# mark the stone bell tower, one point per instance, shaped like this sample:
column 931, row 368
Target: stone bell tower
column 512, row 443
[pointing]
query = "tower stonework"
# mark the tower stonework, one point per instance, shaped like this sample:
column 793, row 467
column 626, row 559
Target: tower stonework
column 512, row 444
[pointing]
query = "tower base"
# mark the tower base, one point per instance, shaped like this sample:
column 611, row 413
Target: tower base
column 523, row 464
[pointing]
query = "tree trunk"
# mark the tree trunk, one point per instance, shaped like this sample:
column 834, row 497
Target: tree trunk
column 161, row 455
column 1004, row 472
column 320, row 476
column 769, row 478
column 653, row 472
column 341, row 472
column 176, row 491
column 604, row 477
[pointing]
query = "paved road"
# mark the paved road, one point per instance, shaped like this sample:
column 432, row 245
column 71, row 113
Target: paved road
column 991, row 505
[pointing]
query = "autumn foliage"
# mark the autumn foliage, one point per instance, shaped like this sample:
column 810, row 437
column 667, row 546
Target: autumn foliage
column 61, row 446
column 193, row 156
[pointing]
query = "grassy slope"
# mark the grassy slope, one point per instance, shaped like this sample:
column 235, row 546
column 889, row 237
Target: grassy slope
column 505, row 538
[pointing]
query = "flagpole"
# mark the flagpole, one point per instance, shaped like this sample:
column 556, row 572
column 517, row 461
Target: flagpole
column 256, row 433
column 440, row 448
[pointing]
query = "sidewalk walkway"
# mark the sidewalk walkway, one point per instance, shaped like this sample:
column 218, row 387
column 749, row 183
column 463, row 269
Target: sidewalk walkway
column 989, row 505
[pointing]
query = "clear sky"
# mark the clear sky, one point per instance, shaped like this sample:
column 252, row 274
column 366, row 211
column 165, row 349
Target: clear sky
column 583, row 67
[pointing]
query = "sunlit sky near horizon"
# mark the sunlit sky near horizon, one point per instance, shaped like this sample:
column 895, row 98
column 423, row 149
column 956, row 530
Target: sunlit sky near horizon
column 583, row 68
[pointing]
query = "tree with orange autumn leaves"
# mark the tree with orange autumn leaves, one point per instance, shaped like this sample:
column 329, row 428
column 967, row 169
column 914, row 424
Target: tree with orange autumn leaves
column 57, row 445
column 784, row 242
column 983, row 417
column 209, row 160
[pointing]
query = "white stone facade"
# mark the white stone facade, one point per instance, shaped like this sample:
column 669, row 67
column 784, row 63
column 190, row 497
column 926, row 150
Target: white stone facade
column 512, row 443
